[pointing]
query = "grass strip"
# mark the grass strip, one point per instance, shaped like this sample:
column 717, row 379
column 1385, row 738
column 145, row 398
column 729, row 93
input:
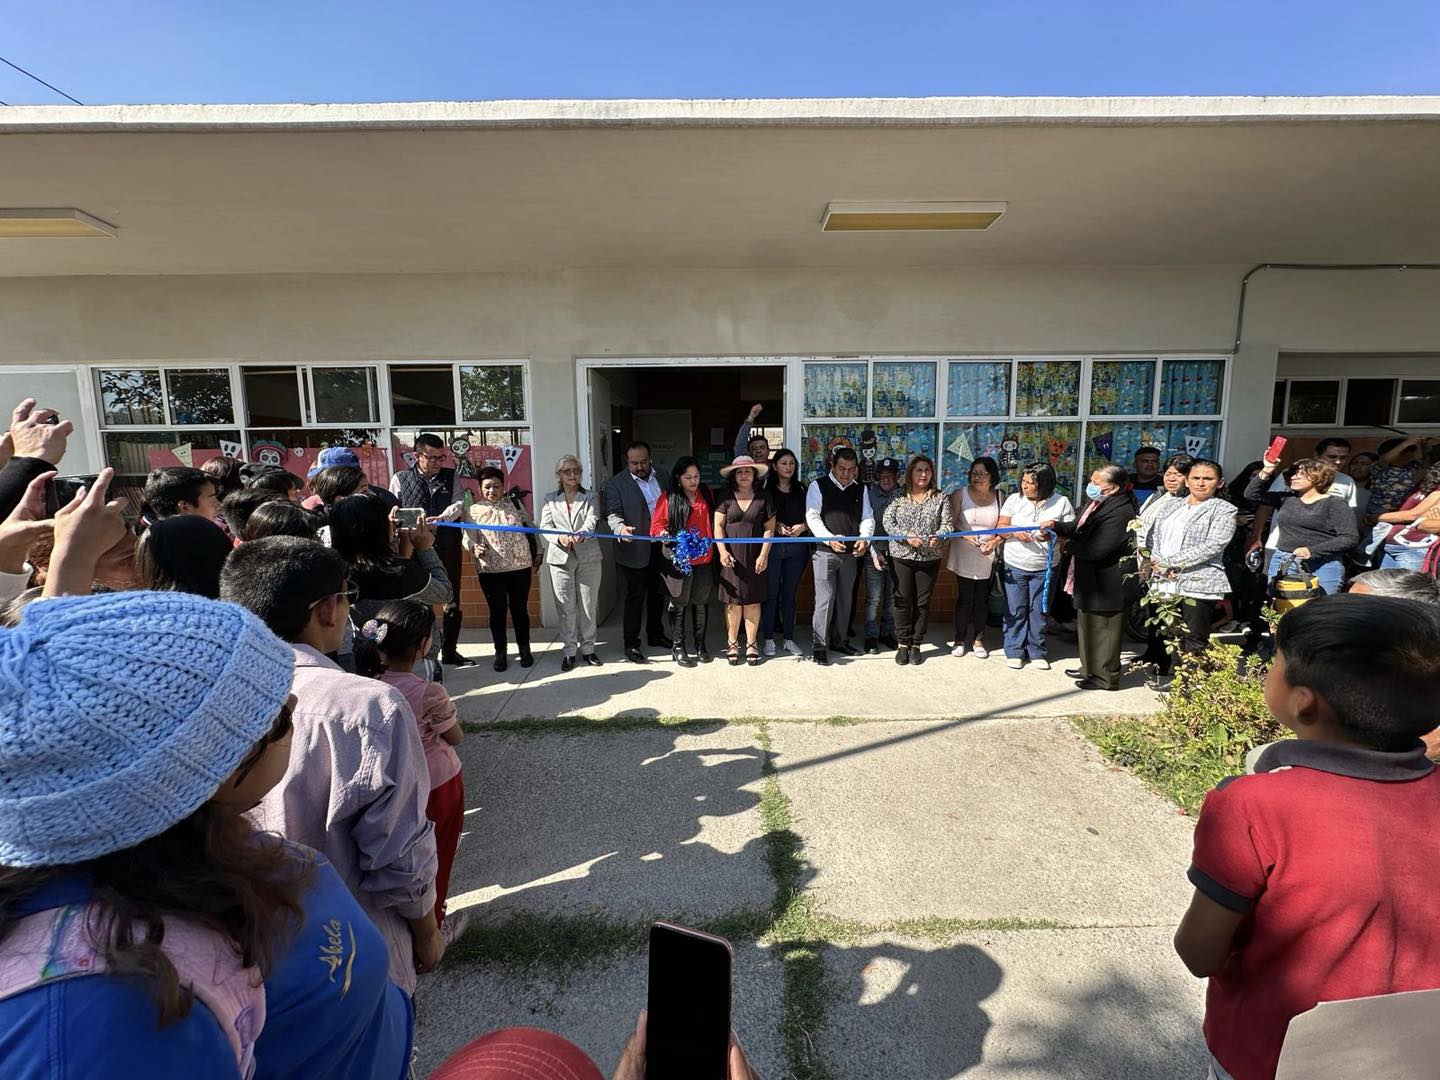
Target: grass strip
column 1172, row 764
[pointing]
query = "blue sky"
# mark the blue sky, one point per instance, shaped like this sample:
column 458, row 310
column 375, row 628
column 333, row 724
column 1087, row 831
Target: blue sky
column 328, row 50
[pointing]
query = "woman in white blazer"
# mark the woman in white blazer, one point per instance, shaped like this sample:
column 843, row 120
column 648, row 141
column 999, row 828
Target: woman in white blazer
column 573, row 562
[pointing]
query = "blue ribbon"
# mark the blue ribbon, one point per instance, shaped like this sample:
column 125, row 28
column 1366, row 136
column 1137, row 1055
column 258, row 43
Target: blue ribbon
column 643, row 538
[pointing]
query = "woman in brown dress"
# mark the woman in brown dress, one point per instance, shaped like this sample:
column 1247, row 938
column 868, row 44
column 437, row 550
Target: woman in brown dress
column 743, row 513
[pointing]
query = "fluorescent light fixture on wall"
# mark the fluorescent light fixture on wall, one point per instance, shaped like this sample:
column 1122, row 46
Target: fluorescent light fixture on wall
column 50, row 221
column 911, row 217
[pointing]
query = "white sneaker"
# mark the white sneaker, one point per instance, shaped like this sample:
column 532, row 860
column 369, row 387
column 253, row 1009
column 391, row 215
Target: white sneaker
column 1014, row 662
column 770, row 647
column 958, row 650
column 1042, row 664
column 980, row 651
column 793, row 649
column 454, row 926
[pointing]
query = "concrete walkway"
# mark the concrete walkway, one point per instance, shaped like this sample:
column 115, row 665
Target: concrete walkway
column 784, row 687
column 986, row 896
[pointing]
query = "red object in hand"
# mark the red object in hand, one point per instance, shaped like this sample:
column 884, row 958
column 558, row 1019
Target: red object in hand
column 1277, row 447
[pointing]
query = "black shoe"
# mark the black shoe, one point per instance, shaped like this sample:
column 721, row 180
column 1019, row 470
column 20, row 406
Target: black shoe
column 527, row 659
column 871, row 645
column 567, row 664
column 1093, row 684
column 846, row 649
column 500, row 664
column 635, row 656
column 702, row 654
column 661, row 643
column 888, row 640
column 591, row 659
column 456, row 660
column 1075, row 673
column 820, row 658
column 915, row 658
column 902, row 656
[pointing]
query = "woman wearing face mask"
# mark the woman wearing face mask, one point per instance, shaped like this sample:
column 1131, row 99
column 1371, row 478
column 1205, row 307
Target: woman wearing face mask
column 1187, row 555
column 1099, row 540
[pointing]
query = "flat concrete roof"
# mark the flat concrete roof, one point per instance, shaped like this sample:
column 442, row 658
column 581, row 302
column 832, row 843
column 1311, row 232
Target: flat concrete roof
column 736, row 112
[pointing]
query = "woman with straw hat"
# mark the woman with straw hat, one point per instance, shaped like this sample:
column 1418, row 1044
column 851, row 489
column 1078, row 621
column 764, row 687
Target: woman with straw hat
column 745, row 513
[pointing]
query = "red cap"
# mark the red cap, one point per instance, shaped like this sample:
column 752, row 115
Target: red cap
column 518, row 1053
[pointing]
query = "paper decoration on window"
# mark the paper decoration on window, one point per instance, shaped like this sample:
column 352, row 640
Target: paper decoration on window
column 960, row 447
column 1194, row 444
column 512, row 456
column 1104, row 444
column 297, row 451
column 232, row 449
column 869, row 449
column 408, row 456
column 1056, row 448
column 185, row 454
column 267, row 452
column 1009, row 452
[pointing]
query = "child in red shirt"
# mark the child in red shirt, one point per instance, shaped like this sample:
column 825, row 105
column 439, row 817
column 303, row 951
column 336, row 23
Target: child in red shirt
column 389, row 647
column 1315, row 877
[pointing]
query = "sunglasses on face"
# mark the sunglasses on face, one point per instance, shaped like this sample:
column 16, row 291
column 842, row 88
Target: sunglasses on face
column 351, row 595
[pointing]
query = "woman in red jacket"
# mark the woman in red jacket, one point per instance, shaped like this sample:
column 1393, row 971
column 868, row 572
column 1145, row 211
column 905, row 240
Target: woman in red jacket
column 688, row 505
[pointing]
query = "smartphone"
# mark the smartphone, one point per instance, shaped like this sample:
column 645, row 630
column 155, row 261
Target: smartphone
column 687, row 1027
column 409, row 517
column 1277, row 448
column 59, row 490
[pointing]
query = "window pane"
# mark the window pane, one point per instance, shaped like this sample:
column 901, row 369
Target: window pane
column 1277, row 404
column 1013, row 445
column 344, row 395
column 836, row 389
column 1419, row 401
column 1047, row 388
column 272, row 396
column 978, row 389
column 1191, row 387
column 135, row 453
column 422, row 395
column 131, row 396
column 1313, row 402
column 904, row 388
column 492, row 392
column 901, row 441
column 200, row 396
column 1198, row 438
column 1368, row 402
column 1122, row 387
column 298, row 450
column 1112, row 443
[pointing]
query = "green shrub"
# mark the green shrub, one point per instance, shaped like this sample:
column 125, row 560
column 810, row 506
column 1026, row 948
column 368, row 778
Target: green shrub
column 1214, row 713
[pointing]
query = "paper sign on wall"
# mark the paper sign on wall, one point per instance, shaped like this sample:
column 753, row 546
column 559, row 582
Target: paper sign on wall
column 1194, row 444
column 1104, row 444
column 185, row 454
column 960, row 447
column 232, row 449
column 512, row 456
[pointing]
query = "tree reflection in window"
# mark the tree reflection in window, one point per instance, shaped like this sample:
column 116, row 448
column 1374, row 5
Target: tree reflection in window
column 200, row 396
column 131, row 396
column 492, row 392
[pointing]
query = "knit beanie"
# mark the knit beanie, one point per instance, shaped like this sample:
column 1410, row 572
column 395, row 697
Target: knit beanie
column 122, row 714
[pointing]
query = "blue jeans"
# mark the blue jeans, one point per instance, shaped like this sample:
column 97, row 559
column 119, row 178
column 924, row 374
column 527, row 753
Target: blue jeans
column 1024, row 613
column 1329, row 570
column 879, row 587
column 1404, row 558
column 782, row 578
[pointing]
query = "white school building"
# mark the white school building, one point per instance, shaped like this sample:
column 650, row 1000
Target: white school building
column 1030, row 278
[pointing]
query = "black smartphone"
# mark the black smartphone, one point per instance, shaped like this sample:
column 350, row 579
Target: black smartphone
column 59, row 490
column 687, row 1024
column 410, row 517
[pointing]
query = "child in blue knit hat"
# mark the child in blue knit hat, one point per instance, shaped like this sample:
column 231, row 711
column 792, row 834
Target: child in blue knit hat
column 121, row 820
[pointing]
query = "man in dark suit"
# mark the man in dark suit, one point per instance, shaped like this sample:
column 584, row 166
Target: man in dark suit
column 1099, row 545
column 630, row 498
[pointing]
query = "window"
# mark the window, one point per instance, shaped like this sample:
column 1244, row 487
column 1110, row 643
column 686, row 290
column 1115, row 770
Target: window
column 272, row 396
column 492, row 393
column 1419, row 402
column 343, row 395
column 1122, row 388
column 1313, row 401
column 1277, row 403
column 881, row 408
column 200, row 396
column 1047, row 388
column 978, row 388
column 422, row 394
column 1369, row 402
column 178, row 397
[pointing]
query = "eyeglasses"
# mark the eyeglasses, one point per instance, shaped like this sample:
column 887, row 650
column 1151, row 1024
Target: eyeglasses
column 433, row 457
column 568, row 471
column 351, row 595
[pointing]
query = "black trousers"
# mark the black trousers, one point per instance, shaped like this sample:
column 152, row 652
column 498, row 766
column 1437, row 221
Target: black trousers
column 1197, row 616
column 508, row 591
column 972, row 608
column 914, row 582
column 1101, row 634
column 643, row 599
column 450, row 620
column 688, row 592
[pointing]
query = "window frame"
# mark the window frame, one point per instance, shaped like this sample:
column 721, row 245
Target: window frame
column 1342, row 400
column 460, row 420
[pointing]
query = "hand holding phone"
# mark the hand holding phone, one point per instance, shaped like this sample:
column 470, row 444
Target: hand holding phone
column 409, row 517
column 687, row 1027
column 1277, row 448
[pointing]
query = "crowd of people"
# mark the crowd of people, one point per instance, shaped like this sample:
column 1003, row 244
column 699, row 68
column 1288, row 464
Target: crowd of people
column 230, row 798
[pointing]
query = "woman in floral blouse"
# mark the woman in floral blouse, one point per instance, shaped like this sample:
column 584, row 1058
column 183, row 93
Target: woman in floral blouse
column 505, row 561
column 919, row 516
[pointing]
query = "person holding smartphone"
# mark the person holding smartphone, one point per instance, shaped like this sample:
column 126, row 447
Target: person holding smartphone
column 1314, row 528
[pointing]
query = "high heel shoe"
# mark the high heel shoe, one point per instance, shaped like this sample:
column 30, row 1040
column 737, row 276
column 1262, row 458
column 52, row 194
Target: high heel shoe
column 732, row 653
column 752, row 656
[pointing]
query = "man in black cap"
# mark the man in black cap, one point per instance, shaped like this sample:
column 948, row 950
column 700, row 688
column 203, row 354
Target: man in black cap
column 879, row 578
